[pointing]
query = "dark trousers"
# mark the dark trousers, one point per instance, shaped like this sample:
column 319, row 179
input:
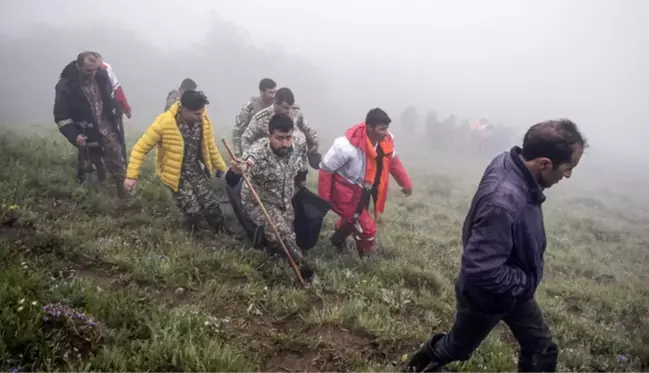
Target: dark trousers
column 471, row 327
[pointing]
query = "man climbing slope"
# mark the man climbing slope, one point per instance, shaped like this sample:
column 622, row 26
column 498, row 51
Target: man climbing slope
column 284, row 103
column 185, row 139
column 504, row 242
column 267, row 90
column 357, row 168
column 84, row 111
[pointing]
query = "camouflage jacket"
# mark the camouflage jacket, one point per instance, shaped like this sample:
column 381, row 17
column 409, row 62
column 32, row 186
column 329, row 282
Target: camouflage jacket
column 253, row 106
column 258, row 128
column 172, row 97
column 272, row 176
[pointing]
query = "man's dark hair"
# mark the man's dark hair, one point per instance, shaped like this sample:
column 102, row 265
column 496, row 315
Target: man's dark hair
column 188, row 84
column 377, row 116
column 266, row 83
column 81, row 57
column 553, row 139
column 193, row 100
column 284, row 95
column 280, row 122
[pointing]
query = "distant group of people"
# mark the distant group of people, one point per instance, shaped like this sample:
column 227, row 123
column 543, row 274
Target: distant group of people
column 503, row 233
column 478, row 138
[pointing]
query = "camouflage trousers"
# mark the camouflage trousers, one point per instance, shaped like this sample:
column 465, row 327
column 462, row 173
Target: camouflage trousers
column 196, row 199
column 283, row 221
column 108, row 154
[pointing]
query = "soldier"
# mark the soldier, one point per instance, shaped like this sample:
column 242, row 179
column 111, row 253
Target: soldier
column 84, row 110
column 267, row 89
column 185, row 138
column 175, row 94
column 275, row 165
column 283, row 104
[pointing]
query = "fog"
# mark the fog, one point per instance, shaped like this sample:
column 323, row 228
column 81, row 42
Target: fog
column 514, row 62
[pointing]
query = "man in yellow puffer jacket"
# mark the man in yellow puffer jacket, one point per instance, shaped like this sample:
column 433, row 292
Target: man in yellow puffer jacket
column 185, row 139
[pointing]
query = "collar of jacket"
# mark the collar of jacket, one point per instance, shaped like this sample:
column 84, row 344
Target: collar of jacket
column 535, row 191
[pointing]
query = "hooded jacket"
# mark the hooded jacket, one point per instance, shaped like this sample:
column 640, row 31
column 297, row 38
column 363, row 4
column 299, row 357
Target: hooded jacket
column 343, row 171
column 71, row 107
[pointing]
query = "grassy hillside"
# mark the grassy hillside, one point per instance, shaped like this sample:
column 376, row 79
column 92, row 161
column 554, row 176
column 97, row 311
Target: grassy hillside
column 92, row 283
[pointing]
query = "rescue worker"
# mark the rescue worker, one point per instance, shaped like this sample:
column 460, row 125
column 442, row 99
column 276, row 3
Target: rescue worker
column 504, row 243
column 267, row 89
column 276, row 167
column 118, row 91
column 283, row 104
column 84, row 111
column 357, row 167
column 185, row 140
column 174, row 95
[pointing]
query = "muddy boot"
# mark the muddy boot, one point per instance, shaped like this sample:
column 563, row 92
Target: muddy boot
column 81, row 176
column 101, row 172
column 192, row 224
column 216, row 222
column 307, row 270
column 338, row 240
column 119, row 184
column 365, row 247
column 543, row 362
column 425, row 359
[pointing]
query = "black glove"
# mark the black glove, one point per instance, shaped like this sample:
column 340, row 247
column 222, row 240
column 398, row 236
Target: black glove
column 314, row 160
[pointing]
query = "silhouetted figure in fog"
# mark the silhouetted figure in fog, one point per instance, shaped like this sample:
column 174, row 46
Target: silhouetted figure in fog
column 432, row 127
column 175, row 94
column 355, row 170
column 448, row 132
column 267, row 90
column 504, row 243
column 409, row 119
column 284, row 103
column 186, row 158
column 84, row 110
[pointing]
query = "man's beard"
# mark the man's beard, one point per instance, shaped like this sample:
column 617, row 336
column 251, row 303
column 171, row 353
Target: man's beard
column 282, row 152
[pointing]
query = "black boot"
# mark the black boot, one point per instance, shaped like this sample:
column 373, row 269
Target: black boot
column 101, row 172
column 192, row 223
column 216, row 222
column 307, row 270
column 338, row 239
column 425, row 359
column 119, row 184
column 543, row 362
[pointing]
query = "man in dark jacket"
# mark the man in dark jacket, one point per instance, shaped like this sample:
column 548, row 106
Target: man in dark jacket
column 84, row 111
column 504, row 242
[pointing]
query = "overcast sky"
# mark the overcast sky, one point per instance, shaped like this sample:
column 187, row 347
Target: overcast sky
column 513, row 61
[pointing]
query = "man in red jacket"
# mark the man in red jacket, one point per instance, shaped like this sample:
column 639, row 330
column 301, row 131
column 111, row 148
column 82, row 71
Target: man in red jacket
column 355, row 169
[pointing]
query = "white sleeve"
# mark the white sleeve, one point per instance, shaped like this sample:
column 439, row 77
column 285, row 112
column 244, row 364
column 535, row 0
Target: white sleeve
column 394, row 146
column 336, row 156
column 112, row 76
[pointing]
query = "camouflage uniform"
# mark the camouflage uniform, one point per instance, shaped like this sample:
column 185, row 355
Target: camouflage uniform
column 110, row 142
column 172, row 98
column 258, row 128
column 273, row 178
column 195, row 196
column 254, row 105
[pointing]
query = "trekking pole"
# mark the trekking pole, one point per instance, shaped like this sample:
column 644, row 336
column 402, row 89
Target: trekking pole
column 268, row 219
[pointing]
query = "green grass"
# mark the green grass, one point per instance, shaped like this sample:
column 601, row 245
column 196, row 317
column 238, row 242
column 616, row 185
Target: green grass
column 153, row 298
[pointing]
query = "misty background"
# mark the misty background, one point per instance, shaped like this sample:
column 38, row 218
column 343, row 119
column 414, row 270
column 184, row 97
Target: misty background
column 513, row 62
